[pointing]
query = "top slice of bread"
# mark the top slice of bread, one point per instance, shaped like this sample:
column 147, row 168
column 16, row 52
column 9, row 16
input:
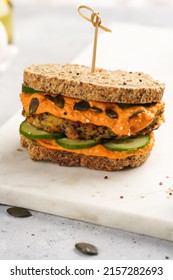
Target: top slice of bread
column 77, row 81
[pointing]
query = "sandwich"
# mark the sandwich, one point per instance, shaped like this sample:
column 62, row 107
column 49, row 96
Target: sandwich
column 102, row 120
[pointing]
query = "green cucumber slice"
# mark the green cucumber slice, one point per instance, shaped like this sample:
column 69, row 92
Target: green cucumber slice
column 129, row 144
column 26, row 89
column 76, row 144
column 32, row 132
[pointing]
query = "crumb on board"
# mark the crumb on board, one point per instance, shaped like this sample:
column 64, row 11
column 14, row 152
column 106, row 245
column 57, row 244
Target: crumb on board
column 160, row 183
column 169, row 192
column 121, row 196
column 19, row 150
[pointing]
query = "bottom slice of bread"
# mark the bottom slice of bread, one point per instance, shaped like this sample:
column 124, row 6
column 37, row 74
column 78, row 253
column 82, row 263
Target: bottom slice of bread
column 68, row 158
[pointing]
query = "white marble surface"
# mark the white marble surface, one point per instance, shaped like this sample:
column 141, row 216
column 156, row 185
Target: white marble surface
column 122, row 201
column 38, row 236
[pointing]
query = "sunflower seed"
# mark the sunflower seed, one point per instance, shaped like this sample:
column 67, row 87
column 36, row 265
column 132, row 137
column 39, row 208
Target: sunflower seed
column 19, row 212
column 33, row 105
column 86, row 248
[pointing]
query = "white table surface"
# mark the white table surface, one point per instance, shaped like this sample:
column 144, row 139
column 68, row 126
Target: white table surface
column 56, row 34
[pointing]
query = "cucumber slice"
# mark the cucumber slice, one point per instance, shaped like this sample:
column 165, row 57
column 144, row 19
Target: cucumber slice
column 32, row 132
column 129, row 144
column 26, row 89
column 76, row 144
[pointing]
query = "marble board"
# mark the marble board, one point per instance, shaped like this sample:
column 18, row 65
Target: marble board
column 139, row 200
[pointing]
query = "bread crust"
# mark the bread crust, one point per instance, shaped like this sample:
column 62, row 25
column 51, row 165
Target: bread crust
column 77, row 81
column 65, row 158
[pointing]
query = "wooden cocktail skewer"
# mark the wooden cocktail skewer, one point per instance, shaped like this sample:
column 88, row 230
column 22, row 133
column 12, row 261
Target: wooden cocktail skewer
column 96, row 21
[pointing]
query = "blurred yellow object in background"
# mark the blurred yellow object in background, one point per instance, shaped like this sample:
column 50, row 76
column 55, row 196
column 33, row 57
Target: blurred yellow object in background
column 6, row 17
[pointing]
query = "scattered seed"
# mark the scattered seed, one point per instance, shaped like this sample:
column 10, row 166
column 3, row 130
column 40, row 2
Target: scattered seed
column 33, row 105
column 135, row 114
column 124, row 83
column 111, row 114
column 59, row 101
column 140, row 80
column 81, row 105
column 121, row 196
column 86, row 248
column 65, row 113
column 160, row 183
column 166, row 257
column 19, row 212
column 96, row 109
column 106, row 177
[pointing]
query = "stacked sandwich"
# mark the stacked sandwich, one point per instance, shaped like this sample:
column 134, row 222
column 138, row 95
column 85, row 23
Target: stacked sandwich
column 102, row 120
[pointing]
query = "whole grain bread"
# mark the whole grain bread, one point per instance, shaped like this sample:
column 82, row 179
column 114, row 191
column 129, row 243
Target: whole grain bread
column 77, row 81
column 65, row 158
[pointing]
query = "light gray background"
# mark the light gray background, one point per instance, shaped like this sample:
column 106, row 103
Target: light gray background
column 54, row 33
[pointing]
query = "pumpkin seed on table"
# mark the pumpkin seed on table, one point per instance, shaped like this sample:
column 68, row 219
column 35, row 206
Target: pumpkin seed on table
column 111, row 114
column 86, row 248
column 59, row 101
column 33, row 105
column 81, row 105
column 18, row 212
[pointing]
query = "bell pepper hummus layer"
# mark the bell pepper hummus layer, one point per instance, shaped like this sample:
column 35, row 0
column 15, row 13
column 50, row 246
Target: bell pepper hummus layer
column 99, row 150
column 123, row 125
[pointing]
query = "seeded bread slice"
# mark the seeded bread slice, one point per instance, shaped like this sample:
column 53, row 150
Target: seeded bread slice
column 77, row 81
column 65, row 158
